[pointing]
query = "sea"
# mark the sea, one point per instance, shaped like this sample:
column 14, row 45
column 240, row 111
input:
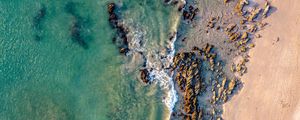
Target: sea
column 58, row 60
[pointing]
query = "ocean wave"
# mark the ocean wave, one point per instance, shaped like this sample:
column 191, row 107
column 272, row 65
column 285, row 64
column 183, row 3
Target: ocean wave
column 163, row 76
column 158, row 67
column 157, row 63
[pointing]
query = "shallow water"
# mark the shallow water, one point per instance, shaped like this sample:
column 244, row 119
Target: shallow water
column 48, row 72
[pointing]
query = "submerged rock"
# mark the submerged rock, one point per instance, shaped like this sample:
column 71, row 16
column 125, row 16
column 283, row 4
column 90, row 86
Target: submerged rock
column 76, row 34
column 39, row 17
column 38, row 22
column 79, row 26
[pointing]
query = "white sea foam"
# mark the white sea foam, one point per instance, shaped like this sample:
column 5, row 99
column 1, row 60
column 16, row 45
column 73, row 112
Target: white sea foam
column 164, row 76
column 158, row 74
column 157, row 62
column 135, row 41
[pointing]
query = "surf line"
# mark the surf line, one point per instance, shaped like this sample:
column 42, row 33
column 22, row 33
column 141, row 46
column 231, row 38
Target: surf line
column 156, row 71
column 164, row 75
column 159, row 71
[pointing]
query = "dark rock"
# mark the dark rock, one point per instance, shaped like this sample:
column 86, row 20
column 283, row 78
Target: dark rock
column 195, row 48
column 144, row 75
column 124, row 50
column 190, row 13
column 122, row 31
column 111, row 8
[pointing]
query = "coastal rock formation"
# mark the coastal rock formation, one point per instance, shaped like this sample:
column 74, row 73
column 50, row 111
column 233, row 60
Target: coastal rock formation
column 202, row 76
column 189, row 13
column 144, row 75
column 121, row 39
column 208, row 77
column 203, row 86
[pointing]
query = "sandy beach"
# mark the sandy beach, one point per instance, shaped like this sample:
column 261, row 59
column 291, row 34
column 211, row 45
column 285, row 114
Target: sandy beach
column 272, row 85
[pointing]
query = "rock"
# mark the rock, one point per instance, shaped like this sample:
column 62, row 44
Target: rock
column 266, row 9
column 242, row 22
column 111, row 8
column 234, row 36
column 211, row 25
column 122, row 31
column 195, row 48
column 190, row 13
column 243, row 49
column 232, row 68
column 251, row 45
column 231, row 86
column 230, row 27
column 254, row 14
column 218, row 28
column 258, row 36
column 207, row 48
column 124, row 50
column 240, row 6
column 144, row 75
column 113, row 19
column 253, row 28
column 245, row 35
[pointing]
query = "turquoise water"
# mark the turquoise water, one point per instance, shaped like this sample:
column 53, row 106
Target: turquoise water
column 46, row 74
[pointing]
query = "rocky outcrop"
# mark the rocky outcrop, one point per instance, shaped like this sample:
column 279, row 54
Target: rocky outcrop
column 145, row 76
column 195, row 73
column 121, row 39
column 189, row 13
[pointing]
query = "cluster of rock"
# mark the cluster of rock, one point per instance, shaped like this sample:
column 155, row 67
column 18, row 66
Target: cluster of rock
column 199, row 74
column 189, row 13
column 121, row 40
column 189, row 82
column 203, row 86
column 241, row 32
column 240, row 67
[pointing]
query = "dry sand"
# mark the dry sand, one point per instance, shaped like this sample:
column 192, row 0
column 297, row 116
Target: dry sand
column 272, row 85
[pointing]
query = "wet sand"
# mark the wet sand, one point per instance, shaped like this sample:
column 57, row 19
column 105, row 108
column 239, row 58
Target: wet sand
column 272, row 85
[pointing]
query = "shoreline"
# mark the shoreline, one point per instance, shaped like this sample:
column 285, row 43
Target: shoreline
column 271, row 86
column 218, row 29
column 218, row 46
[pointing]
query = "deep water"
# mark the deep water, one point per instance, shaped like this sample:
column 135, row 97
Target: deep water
column 58, row 61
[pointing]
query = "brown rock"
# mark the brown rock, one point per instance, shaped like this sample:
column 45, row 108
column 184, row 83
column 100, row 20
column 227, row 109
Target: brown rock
column 145, row 76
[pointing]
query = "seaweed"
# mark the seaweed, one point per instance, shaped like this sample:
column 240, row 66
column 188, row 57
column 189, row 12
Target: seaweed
column 37, row 22
column 79, row 26
column 39, row 17
column 76, row 33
